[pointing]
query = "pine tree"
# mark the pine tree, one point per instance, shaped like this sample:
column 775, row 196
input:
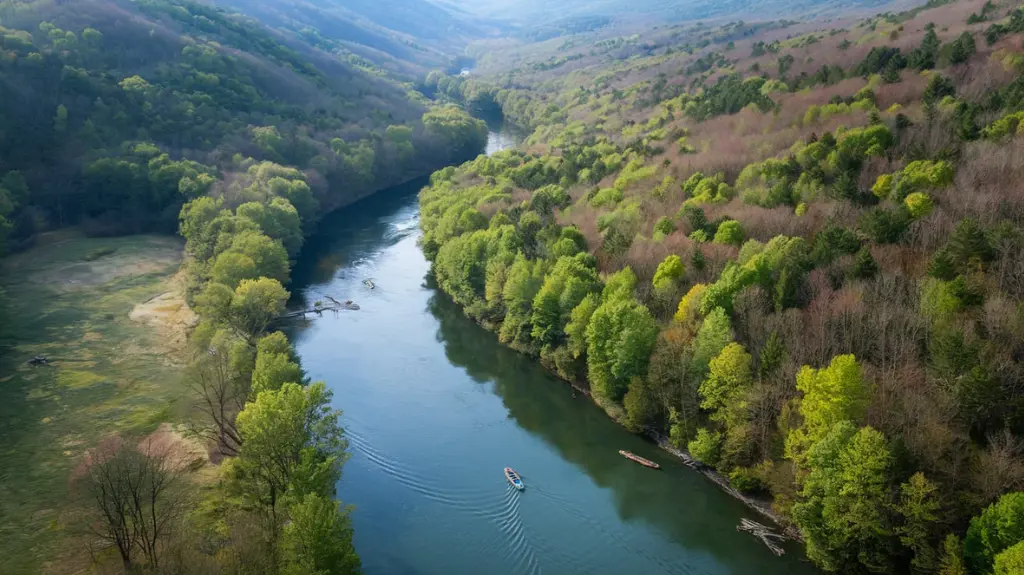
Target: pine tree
column 865, row 267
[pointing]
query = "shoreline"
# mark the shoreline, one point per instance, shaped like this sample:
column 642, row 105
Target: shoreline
column 761, row 506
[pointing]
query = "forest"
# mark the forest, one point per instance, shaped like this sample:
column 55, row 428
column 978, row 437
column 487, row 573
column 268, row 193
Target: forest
column 791, row 249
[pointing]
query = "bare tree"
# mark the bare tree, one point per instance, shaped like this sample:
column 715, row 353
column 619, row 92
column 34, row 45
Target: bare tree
column 222, row 393
column 132, row 497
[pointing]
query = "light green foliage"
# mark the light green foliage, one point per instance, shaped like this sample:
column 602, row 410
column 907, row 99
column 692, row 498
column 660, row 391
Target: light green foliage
column 999, row 527
column 922, row 175
column 729, row 233
column 668, row 274
column 701, row 189
column 275, row 364
column 278, row 219
column 1008, row 126
column 579, row 320
column 706, row 447
column 247, row 310
column 714, row 334
column 570, row 281
column 919, row 204
column 522, row 284
column 620, row 336
column 268, row 257
column 663, row 227
column 883, row 186
column 689, row 306
column 729, row 378
column 292, row 445
column 844, row 499
column 952, row 561
column 830, row 395
column 461, row 132
column 919, row 508
column 318, row 538
column 939, row 301
column 606, row 197
column 1010, row 561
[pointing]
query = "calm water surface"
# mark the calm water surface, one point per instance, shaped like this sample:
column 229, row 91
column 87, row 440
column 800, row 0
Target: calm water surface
column 434, row 408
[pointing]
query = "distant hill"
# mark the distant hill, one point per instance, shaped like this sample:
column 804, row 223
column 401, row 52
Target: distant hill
column 537, row 13
column 404, row 36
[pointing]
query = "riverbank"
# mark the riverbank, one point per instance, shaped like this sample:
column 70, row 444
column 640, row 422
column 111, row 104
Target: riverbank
column 442, row 398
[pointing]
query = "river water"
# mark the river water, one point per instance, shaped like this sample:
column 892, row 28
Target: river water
column 434, row 408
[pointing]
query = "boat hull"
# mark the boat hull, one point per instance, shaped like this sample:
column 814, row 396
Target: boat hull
column 514, row 479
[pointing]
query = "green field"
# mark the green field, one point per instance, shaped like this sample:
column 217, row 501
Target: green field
column 69, row 299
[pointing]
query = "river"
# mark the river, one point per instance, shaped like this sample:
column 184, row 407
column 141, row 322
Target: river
column 434, row 408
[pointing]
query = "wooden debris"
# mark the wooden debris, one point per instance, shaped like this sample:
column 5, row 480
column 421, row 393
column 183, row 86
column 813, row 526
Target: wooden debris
column 765, row 534
column 320, row 309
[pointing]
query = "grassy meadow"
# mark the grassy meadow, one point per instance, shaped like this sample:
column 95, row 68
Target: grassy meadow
column 70, row 299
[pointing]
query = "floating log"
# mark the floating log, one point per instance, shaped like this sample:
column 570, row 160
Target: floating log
column 763, row 533
column 642, row 461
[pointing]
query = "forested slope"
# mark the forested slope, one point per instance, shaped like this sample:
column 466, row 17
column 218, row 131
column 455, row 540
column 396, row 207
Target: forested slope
column 792, row 249
column 116, row 113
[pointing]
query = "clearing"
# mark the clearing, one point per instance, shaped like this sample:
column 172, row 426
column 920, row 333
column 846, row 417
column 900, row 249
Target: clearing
column 107, row 314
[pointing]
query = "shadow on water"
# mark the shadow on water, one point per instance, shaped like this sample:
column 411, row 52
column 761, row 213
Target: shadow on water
column 353, row 234
column 585, row 436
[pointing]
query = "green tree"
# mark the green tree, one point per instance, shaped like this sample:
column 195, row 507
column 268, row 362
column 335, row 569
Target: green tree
column 706, row 447
column 620, row 337
column 919, row 508
column 952, row 562
column 268, row 256
column 292, row 445
column 276, row 364
column 1010, row 561
column 999, row 527
column 963, row 48
column 230, row 268
column 668, row 274
column 865, row 266
column 247, row 310
column 729, row 233
column 318, row 538
column 842, row 512
column 724, row 389
column 278, row 219
column 831, row 395
column 715, row 333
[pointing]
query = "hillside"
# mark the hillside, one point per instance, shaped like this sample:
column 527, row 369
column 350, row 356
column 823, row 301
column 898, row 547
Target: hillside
column 404, row 36
column 790, row 248
column 109, row 105
column 535, row 14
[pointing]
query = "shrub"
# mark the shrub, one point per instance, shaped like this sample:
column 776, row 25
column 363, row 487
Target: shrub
column 706, row 447
column 919, row 204
column 729, row 233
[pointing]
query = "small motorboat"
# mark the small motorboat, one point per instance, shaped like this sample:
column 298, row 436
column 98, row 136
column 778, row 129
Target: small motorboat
column 638, row 459
column 514, row 478
column 369, row 283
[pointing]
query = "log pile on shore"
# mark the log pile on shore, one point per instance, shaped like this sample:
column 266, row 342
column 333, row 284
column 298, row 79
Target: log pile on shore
column 763, row 533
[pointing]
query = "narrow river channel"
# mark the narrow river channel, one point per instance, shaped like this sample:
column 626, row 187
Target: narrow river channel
column 434, row 408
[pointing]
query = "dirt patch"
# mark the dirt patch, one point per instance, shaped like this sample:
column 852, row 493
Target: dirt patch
column 185, row 451
column 170, row 314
